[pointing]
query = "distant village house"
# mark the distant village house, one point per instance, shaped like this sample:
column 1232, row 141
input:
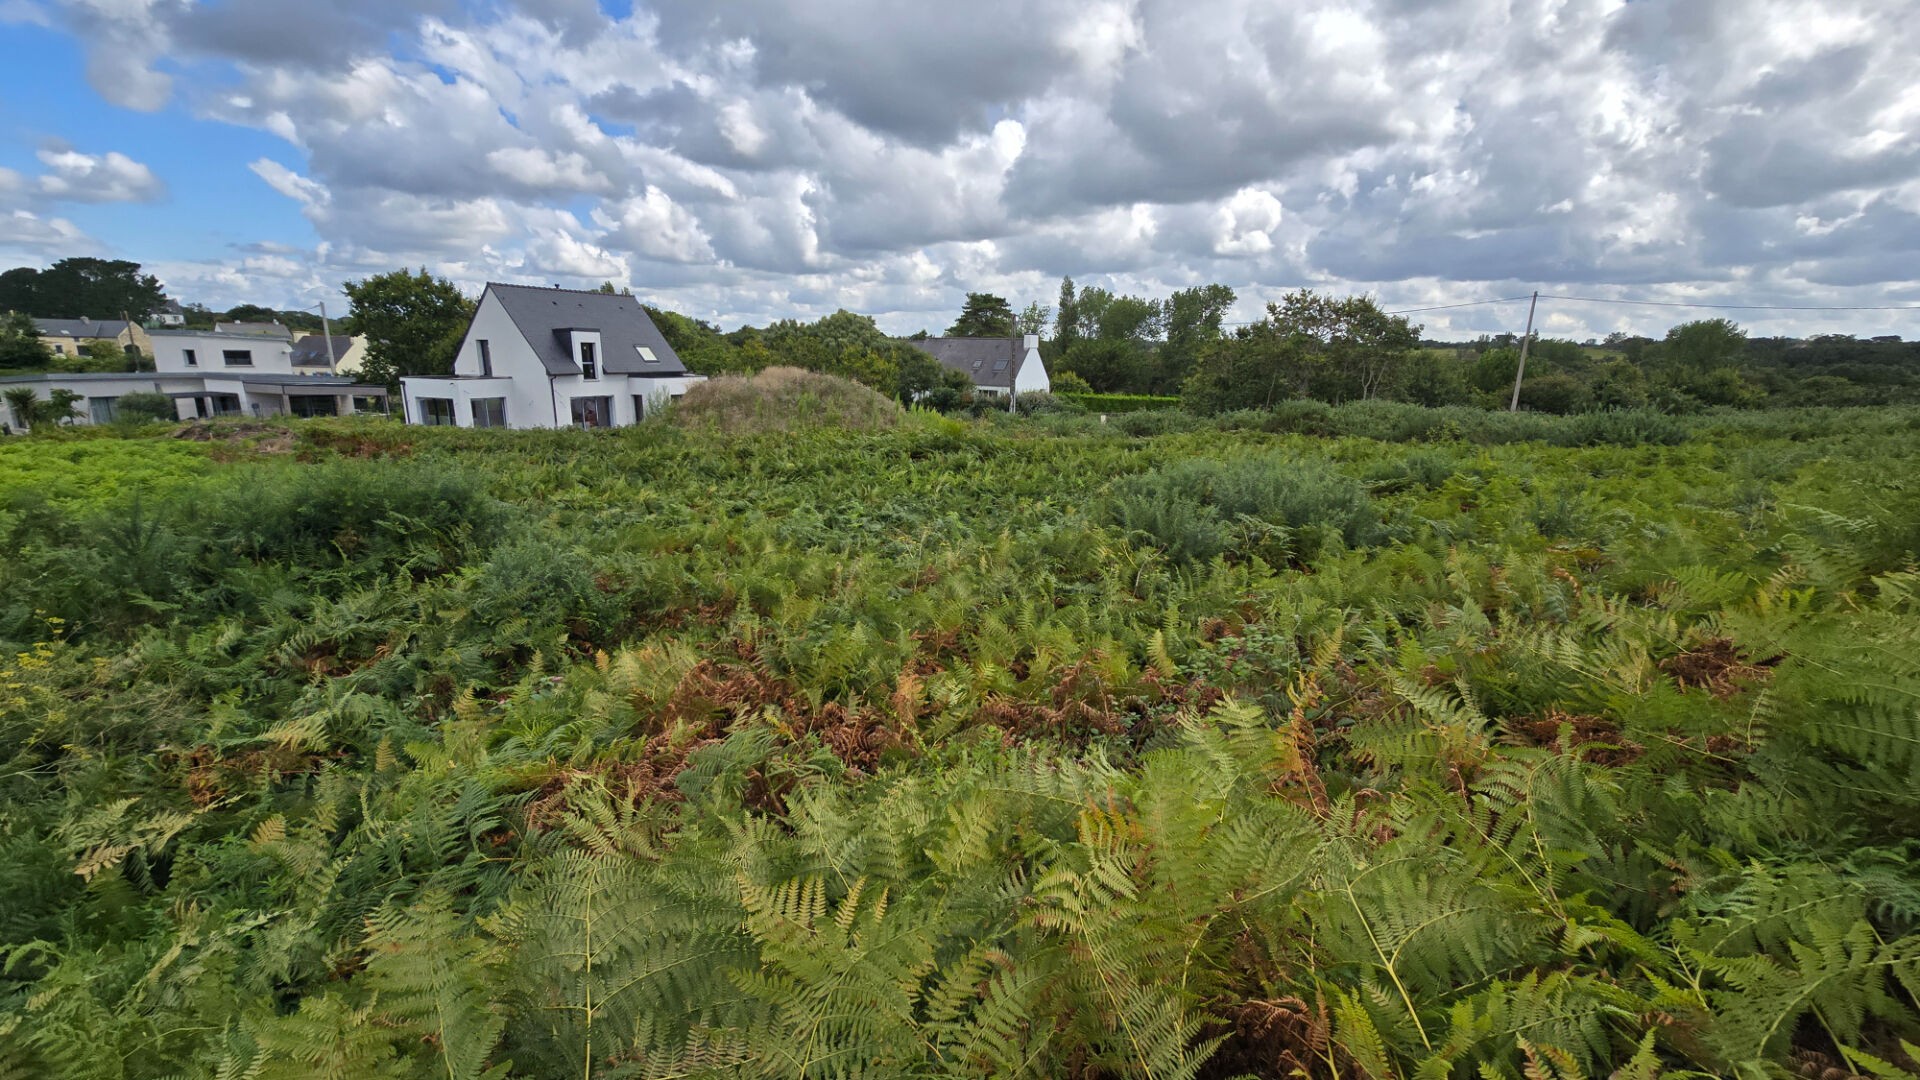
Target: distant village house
column 998, row 366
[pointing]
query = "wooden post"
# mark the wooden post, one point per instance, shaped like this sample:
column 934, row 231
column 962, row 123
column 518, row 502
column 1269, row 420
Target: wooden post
column 1514, row 406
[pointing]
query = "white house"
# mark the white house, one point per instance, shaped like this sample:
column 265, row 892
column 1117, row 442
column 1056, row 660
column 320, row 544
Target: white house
column 544, row 358
column 199, row 352
column 997, row 365
column 169, row 313
column 202, row 394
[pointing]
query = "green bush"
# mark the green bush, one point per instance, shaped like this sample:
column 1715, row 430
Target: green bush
column 1197, row 509
column 368, row 515
column 1119, row 403
column 142, row 408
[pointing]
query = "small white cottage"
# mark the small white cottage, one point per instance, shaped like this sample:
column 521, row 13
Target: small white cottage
column 997, row 365
column 545, row 358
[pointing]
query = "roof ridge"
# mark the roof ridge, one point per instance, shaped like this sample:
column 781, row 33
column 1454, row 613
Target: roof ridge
column 556, row 288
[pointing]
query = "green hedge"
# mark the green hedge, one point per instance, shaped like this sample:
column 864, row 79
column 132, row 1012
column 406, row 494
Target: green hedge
column 1121, row 403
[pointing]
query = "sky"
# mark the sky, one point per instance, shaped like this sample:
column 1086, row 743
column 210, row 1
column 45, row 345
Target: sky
column 747, row 160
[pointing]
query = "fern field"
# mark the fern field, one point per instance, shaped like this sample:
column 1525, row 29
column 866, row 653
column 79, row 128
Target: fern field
column 997, row 749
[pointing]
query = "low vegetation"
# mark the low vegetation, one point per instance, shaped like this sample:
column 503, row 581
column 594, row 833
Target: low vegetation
column 782, row 399
column 1326, row 741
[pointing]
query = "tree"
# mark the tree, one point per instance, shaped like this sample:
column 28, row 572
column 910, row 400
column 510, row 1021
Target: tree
column 86, row 288
column 1034, row 319
column 1066, row 318
column 22, row 406
column 17, row 289
column 985, row 315
column 32, row 412
column 413, row 323
column 1354, row 347
column 1309, row 345
column 1705, row 344
column 1108, row 366
column 1193, row 319
column 1105, row 315
column 20, row 346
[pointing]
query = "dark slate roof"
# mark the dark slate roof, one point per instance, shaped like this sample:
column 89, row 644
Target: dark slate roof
column 311, row 351
column 542, row 315
column 81, row 328
column 988, row 361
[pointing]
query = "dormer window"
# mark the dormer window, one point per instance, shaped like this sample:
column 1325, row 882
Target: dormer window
column 589, row 368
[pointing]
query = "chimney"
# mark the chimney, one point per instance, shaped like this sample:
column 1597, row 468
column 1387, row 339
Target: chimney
column 1031, row 341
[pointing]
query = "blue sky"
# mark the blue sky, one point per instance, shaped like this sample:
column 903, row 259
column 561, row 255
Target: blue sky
column 212, row 202
column 762, row 159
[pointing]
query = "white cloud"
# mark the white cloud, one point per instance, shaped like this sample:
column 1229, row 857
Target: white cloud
column 763, row 158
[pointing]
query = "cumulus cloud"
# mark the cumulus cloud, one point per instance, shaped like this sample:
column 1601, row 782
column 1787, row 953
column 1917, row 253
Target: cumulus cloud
column 761, row 158
column 72, row 176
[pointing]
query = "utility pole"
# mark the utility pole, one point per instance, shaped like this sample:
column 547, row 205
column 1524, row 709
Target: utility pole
column 1524, row 342
column 333, row 362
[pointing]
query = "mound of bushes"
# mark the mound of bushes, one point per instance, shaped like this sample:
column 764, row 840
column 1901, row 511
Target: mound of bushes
column 783, row 399
column 1277, row 507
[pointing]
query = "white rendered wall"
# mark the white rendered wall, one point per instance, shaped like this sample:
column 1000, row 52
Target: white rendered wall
column 1033, row 370
column 271, row 356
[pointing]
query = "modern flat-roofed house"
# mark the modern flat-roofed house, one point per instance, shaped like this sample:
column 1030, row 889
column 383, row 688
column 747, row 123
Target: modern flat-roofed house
column 202, row 395
column 67, row 337
column 268, row 350
column 997, row 365
column 537, row 357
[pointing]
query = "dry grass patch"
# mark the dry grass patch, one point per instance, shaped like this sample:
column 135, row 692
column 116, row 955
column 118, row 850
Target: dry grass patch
column 783, row 399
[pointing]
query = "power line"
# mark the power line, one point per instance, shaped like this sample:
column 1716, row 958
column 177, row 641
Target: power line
column 1469, row 303
column 1732, row 307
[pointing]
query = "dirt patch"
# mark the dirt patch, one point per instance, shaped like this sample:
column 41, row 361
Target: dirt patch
column 1590, row 738
column 1718, row 667
column 1284, row 1037
column 211, row 776
column 230, row 438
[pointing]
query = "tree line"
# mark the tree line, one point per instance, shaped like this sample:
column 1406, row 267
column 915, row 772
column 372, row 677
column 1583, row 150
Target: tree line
column 1307, row 345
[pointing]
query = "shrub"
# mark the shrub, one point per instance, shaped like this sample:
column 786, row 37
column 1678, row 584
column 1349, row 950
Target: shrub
column 370, row 515
column 142, row 408
column 1275, row 506
column 1118, row 403
column 1623, row 427
column 1035, row 403
column 783, row 399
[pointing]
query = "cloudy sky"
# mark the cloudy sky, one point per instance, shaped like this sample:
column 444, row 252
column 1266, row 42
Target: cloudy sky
column 741, row 160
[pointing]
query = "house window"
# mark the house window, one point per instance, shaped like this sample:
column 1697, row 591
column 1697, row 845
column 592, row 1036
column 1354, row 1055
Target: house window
column 588, row 367
column 237, row 357
column 593, row 412
column 490, row 412
column 192, row 360
column 639, row 407
column 486, row 359
column 101, row 409
column 314, row 405
column 436, row 411
column 646, row 354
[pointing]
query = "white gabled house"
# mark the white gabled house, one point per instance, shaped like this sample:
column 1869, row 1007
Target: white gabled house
column 997, row 365
column 538, row 357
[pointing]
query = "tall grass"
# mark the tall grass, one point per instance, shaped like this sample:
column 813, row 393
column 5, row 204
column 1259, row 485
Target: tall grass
column 783, row 399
